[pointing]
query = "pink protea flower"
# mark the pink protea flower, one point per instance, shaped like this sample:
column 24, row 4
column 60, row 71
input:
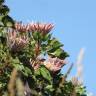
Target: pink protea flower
column 19, row 26
column 39, row 27
column 33, row 27
column 16, row 41
column 54, row 64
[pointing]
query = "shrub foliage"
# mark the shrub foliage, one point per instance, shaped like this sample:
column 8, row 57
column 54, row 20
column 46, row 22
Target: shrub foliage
column 31, row 60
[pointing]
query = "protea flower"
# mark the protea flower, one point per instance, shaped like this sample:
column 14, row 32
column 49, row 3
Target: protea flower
column 34, row 27
column 54, row 64
column 39, row 27
column 20, row 27
column 16, row 41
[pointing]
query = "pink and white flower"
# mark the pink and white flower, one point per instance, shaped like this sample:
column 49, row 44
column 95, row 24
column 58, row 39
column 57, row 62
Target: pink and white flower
column 54, row 64
column 16, row 41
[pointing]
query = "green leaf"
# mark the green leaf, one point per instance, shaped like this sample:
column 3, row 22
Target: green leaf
column 17, row 64
column 46, row 37
column 49, row 88
column 8, row 21
column 58, row 53
column 1, row 16
column 27, row 70
column 63, row 55
column 36, row 35
column 4, row 10
column 15, row 61
column 45, row 73
column 81, row 90
column 20, row 67
column 54, row 44
column 37, row 72
column 2, row 1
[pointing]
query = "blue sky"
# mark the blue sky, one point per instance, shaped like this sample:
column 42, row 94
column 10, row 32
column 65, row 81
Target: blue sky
column 75, row 27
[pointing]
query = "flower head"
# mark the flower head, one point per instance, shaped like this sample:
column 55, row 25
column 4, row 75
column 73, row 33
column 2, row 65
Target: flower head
column 39, row 27
column 33, row 27
column 19, row 26
column 54, row 64
column 16, row 41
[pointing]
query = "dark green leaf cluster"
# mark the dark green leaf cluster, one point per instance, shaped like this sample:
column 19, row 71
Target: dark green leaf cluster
column 55, row 49
column 5, row 19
